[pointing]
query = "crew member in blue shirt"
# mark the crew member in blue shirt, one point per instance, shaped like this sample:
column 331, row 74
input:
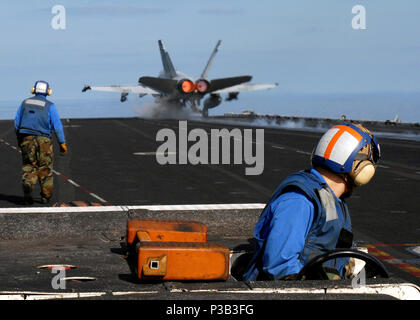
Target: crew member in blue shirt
column 307, row 215
column 36, row 120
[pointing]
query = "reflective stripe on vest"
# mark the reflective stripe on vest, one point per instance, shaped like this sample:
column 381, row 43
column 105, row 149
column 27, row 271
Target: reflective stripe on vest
column 35, row 102
column 328, row 202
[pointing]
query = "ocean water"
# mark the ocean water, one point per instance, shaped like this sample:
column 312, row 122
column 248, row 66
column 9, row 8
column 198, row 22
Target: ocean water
column 77, row 108
column 375, row 106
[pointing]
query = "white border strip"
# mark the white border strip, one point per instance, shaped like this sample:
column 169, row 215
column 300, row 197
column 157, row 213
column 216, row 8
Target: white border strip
column 187, row 207
column 402, row 291
column 48, row 295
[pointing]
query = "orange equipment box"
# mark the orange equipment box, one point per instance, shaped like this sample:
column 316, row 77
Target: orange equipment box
column 182, row 261
column 165, row 231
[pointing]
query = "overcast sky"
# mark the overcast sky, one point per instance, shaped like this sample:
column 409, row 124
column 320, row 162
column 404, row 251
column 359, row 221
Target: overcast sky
column 308, row 47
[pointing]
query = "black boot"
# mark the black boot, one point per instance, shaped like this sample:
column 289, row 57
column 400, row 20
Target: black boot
column 27, row 194
column 45, row 200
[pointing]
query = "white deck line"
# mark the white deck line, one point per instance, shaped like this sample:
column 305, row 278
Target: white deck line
column 48, row 295
column 192, row 207
column 402, row 291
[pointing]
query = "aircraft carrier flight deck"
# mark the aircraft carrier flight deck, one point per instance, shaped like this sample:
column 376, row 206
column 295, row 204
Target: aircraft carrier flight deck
column 111, row 174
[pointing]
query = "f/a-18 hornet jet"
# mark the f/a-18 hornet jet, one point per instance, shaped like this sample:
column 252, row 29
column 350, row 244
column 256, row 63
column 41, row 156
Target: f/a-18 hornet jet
column 175, row 88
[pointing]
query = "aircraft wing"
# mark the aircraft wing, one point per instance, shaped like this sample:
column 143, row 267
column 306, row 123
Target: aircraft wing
column 138, row 89
column 161, row 85
column 223, row 83
column 247, row 87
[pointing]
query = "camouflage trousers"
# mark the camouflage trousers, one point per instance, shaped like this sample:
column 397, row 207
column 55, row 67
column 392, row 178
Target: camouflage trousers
column 37, row 158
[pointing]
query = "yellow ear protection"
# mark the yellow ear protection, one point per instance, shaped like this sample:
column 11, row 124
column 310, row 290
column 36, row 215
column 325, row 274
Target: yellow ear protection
column 362, row 173
column 364, row 164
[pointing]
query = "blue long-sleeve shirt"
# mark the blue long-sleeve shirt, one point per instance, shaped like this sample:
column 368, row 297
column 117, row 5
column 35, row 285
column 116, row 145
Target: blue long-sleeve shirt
column 54, row 122
column 285, row 231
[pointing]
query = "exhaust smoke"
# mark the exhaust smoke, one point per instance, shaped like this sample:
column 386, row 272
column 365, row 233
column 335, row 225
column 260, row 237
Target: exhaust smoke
column 162, row 110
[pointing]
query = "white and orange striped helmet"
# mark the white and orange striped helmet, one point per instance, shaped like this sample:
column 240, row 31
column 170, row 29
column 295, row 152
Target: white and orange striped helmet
column 348, row 149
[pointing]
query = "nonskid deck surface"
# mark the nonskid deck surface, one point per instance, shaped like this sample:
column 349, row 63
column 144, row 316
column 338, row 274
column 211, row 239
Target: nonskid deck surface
column 112, row 163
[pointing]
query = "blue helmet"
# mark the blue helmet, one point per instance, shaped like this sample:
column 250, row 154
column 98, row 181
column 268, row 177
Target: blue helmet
column 41, row 87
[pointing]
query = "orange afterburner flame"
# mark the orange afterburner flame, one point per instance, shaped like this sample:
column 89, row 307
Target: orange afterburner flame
column 187, row 86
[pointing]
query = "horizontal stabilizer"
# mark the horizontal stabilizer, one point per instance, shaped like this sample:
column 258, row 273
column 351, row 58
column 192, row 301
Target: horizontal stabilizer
column 248, row 87
column 167, row 86
column 219, row 84
column 138, row 89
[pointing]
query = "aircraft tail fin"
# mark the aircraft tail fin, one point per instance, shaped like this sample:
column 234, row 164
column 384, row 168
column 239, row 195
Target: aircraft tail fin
column 168, row 67
column 207, row 68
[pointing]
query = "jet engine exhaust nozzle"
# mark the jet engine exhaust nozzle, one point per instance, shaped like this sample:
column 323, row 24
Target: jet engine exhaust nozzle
column 202, row 85
column 186, row 86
